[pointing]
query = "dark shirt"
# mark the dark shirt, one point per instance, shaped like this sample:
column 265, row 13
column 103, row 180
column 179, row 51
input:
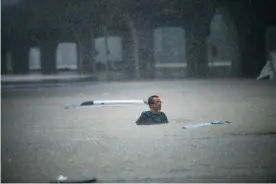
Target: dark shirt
column 147, row 117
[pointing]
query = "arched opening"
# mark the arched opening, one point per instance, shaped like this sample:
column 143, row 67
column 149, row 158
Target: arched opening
column 223, row 46
column 170, row 52
column 66, row 57
column 109, row 55
column 34, row 60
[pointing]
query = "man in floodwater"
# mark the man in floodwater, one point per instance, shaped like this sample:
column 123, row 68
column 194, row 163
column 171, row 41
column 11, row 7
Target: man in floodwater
column 154, row 115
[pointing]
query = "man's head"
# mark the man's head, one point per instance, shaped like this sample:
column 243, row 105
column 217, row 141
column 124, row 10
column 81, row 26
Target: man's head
column 154, row 103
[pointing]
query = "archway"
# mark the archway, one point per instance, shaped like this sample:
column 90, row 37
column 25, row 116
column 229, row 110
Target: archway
column 66, row 57
column 109, row 58
column 223, row 45
column 34, row 60
column 170, row 52
column 109, row 49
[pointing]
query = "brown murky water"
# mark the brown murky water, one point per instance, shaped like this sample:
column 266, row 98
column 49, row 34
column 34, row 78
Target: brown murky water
column 41, row 139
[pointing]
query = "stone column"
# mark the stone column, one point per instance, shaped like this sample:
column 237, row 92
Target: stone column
column 146, row 52
column 248, row 17
column 196, row 52
column 4, row 65
column 128, row 54
column 132, row 25
column 197, row 26
column 252, row 44
column 85, row 47
column 48, row 57
column 20, row 56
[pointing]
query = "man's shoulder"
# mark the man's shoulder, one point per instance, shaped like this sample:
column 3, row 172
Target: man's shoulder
column 162, row 113
column 147, row 113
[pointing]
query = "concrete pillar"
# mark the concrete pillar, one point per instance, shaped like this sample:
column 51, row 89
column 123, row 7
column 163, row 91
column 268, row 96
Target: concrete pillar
column 86, row 52
column 196, row 51
column 146, row 52
column 48, row 57
column 4, row 65
column 20, row 57
column 133, row 28
column 250, row 23
column 141, row 33
column 197, row 30
column 128, row 54
column 252, row 45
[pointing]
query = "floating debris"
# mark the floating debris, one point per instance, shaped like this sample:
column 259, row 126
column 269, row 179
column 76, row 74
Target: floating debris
column 61, row 178
column 205, row 124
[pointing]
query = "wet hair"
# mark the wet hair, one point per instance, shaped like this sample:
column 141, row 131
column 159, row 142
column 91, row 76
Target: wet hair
column 150, row 100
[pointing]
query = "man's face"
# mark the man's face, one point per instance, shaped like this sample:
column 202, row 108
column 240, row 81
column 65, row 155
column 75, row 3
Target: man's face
column 157, row 104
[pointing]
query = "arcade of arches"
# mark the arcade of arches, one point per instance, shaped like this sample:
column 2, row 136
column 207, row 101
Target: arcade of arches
column 151, row 51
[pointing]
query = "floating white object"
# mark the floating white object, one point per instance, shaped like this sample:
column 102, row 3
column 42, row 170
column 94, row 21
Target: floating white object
column 101, row 103
column 61, row 178
column 205, row 124
column 112, row 102
column 267, row 71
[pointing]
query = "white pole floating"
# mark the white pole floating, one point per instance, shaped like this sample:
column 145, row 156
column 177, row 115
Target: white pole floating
column 101, row 103
column 205, row 124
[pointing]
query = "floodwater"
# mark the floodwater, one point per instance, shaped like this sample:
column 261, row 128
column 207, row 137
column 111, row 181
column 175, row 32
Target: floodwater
column 42, row 140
